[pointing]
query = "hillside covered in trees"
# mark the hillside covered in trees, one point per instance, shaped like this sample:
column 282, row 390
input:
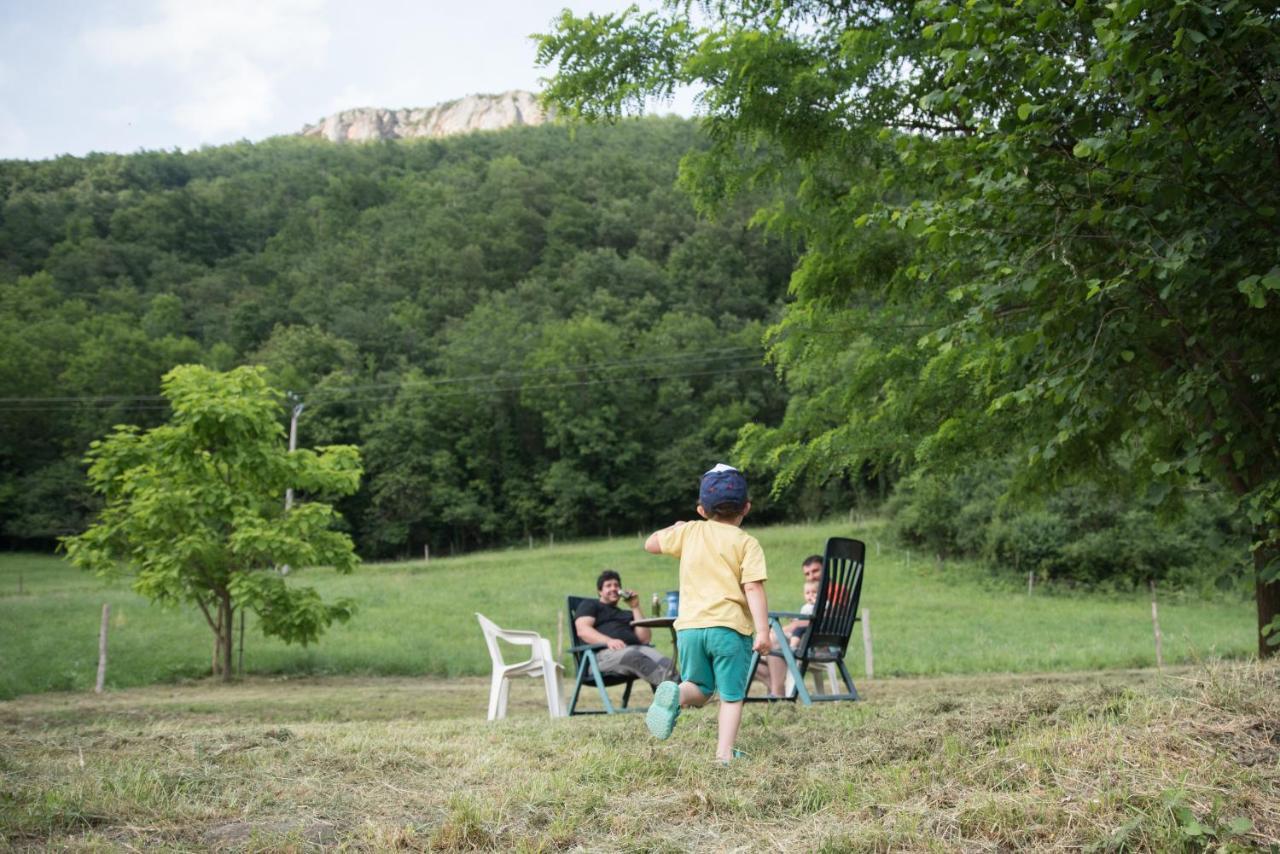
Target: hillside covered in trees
column 528, row 333
column 495, row 319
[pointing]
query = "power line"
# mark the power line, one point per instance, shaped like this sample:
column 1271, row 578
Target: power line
column 140, row 403
column 137, row 402
column 476, row 392
column 68, row 407
column 705, row 356
column 106, row 400
column 418, row 389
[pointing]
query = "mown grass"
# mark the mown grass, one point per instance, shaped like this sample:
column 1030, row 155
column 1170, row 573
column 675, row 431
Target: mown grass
column 417, row 619
column 1122, row 761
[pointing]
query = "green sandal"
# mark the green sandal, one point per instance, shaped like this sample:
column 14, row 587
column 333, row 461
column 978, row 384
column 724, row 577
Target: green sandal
column 662, row 714
column 737, row 756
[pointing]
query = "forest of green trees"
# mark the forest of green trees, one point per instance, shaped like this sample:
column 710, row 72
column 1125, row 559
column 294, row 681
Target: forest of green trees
column 549, row 332
column 528, row 333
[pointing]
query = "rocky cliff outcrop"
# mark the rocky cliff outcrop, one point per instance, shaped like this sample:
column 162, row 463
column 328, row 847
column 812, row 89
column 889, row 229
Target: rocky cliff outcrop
column 474, row 112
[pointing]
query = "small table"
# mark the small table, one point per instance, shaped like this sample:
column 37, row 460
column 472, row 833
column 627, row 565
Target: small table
column 663, row 623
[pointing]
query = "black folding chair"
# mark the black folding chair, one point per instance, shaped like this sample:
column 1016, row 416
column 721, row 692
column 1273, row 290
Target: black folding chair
column 826, row 639
column 585, row 662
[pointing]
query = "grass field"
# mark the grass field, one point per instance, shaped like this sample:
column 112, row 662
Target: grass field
column 1187, row 760
column 417, row 618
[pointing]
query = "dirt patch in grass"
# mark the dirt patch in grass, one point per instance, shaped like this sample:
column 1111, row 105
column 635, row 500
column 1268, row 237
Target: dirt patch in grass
column 274, row 833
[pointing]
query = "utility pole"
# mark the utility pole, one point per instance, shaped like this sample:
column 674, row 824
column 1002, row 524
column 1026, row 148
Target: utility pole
column 293, row 446
column 293, row 442
column 102, row 647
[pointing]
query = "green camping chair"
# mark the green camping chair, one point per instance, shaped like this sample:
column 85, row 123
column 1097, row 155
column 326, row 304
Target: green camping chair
column 585, row 662
column 826, row 639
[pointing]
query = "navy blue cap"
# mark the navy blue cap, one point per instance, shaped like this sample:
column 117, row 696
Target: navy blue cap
column 722, row 485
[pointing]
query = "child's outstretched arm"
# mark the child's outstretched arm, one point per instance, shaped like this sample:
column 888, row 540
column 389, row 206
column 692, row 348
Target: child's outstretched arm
column 653, row 545
column 759, row 605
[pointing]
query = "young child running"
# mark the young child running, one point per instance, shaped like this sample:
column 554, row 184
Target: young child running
column 722, row 602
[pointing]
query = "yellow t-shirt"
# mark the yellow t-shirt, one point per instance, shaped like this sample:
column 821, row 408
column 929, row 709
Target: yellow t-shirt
column 715, row 560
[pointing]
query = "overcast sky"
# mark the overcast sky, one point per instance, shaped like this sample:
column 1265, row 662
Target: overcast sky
column 125, row 75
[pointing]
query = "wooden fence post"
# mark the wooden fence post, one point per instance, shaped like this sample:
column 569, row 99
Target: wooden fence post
column 1031, row 581
column 1155, row 623
column 102, row 648
column 559, row 634
column 866, row 643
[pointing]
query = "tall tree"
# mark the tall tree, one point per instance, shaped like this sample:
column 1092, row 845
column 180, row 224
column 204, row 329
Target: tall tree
column 194, row 510
column 1087, row 191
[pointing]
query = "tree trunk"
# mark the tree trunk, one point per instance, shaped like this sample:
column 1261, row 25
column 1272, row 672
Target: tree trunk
column 224, row 634
column 226, row 622
column 1268, row 593
column 217, row 645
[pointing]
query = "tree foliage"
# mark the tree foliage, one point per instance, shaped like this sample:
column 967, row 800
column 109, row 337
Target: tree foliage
column 1063, row 213
column 193, row 509
column 1081, row 534
column 416, row 296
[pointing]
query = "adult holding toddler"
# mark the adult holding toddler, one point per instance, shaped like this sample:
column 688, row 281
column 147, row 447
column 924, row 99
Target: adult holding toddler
column 724, row 614
column 812, row 569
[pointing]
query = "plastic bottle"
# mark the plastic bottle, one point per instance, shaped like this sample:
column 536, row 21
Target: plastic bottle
column 657, row 606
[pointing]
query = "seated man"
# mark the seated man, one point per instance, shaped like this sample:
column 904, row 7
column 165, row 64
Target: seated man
column 629, row 652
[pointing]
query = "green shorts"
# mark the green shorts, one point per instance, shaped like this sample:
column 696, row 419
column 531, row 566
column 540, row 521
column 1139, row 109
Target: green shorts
column 716, row 659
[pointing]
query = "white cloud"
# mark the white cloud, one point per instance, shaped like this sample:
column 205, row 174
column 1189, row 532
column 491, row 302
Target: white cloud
column 186, row 34
column 126, row 75
column 225, row 57
column 401, row 89
column 239, row 95
column 351, row 96
column 14, row 141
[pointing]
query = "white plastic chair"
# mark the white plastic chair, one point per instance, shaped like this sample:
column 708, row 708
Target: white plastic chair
column 542, row 663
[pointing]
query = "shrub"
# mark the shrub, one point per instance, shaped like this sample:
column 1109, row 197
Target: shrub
column 944, row 515
column 1081, row 534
